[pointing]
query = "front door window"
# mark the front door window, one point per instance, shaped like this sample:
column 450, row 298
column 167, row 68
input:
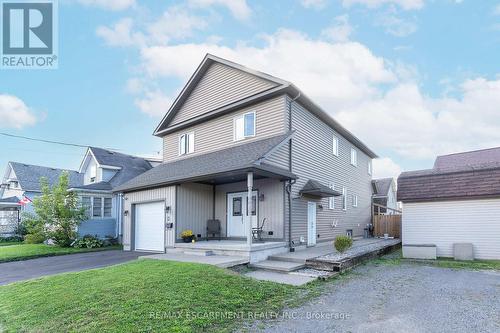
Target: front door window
column 237, row 206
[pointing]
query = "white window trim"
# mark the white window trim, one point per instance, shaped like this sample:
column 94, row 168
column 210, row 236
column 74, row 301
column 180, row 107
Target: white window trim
column 354, row 161
column 254, row 126
column 187, row 134
column 354, row 200
column 335, row 144
column 331, row 200
column 370, row 166
column 91, row 208
column 344, row 198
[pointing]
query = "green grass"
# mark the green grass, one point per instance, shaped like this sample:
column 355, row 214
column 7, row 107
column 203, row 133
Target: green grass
column 395, row 258
column 139, row 297
column 21, row 251
column 9, row 243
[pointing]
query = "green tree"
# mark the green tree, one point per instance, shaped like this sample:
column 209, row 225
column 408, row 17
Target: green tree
column 57, row 213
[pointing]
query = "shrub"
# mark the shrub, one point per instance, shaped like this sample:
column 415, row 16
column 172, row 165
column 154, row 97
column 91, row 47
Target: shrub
column 34, row 238
column 89, row 242
column 342, row 243
column 11, row 239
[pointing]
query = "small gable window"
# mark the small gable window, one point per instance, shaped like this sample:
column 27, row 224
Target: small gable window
column 93, row 173
column 244, row 126
column 186, row 143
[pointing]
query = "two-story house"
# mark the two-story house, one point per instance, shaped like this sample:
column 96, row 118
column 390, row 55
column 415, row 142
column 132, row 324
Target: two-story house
column 250, row 150
column 385, row 196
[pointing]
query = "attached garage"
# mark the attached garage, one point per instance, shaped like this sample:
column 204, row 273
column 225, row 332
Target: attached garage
column 456, row 202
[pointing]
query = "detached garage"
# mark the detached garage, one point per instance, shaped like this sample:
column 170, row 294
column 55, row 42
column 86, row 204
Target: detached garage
column 454, row 204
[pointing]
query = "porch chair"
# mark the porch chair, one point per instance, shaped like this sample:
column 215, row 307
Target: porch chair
column 213, row 229
column 257, row 232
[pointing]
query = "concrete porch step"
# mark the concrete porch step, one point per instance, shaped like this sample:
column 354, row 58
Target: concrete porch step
column 277, row 266
column 192, row 252
column 287, row 258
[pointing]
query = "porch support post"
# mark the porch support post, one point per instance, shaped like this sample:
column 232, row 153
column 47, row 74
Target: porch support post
column 249, row 208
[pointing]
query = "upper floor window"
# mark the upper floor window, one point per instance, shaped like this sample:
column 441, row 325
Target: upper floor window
column 354, row 157
column 335, row 146
column 331, row 200
column 186, row 143
column 93, row 173
column 370, row 168
column 354, row 200
column 244, row 126
column 13, row 184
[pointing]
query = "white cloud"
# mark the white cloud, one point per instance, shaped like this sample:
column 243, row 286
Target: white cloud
column 404, row 4
column 14, row 113
column 316, row 4
column 397, row 26
column 238, row 8
column 385, row 167
column 174, row 24
column 109, row 4
column 339, row 31
column 154, row 103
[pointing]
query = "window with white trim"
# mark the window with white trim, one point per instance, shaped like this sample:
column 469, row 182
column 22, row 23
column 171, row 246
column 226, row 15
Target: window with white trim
column 244, row 126
column 186, row 143
column 87, row 204
column 370, row 168
column 97, row 207
column 354, row 157
column 335, row 142
column 108, row 204
column 354, row 200
column 344, row 198
column 93, row 173
column 331, row 200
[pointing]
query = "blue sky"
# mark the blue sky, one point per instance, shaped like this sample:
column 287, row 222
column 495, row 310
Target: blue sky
column 412, row 78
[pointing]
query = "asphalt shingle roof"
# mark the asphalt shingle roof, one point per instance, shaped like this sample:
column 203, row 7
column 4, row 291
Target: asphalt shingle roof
column 229, row 159
column 314, row 187
column 381, row 186
column 29, row 176
column 470, row 158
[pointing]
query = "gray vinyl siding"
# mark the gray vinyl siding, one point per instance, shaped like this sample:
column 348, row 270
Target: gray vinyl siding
column 271, row 208
column 313, row 158
column 217, row 133
column 220, row 86
column 194, row 208
column 166, row 194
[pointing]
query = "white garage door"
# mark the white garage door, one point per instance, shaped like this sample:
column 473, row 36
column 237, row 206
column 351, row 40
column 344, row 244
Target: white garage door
column 150, row 226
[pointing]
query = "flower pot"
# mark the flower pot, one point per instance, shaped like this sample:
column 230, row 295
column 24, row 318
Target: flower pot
column 188, row 239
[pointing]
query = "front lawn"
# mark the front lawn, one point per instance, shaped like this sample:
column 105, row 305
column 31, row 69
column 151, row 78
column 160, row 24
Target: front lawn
column 21, row 251
column 140, row 296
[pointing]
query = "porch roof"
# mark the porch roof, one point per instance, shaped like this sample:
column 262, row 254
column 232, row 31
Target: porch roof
column 315, row 188
column 10, row 202
column 223, row 166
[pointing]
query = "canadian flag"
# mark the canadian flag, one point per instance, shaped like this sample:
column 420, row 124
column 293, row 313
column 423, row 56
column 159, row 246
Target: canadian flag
column 24, row 201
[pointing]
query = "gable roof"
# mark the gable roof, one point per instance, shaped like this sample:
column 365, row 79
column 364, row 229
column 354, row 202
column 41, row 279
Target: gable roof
column 465, row 175
column 283, row 87
column 29, row 176
column 127, row 167
column 381, row 186
column 469, row 158
column 222, row 163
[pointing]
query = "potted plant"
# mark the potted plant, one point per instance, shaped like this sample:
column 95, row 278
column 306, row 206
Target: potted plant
column 187, row 236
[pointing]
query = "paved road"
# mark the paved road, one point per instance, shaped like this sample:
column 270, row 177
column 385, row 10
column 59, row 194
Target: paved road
column 404, row 298
column 33, row 268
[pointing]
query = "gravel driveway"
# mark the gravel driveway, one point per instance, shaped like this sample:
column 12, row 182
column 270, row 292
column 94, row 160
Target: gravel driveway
column 401, row 298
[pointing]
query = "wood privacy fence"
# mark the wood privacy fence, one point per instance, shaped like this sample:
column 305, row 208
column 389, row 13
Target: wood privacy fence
column 387, row 224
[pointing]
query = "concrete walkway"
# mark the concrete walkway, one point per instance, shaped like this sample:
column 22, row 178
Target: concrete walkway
column 215, row 260
column 34, row 268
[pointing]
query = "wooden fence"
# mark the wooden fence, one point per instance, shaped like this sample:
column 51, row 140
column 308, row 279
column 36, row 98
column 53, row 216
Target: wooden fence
column 387, row 224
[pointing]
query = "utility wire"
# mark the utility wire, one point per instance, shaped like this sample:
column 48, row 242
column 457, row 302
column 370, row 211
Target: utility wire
column 50, row 141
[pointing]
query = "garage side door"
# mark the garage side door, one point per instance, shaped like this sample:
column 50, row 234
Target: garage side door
column 150, row 226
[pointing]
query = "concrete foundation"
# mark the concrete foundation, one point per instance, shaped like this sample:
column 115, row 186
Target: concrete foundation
column 463, row 251
column 419, row 251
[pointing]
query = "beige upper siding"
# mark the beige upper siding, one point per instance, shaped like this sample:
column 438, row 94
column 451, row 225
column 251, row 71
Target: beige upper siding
column 217, row 133
column 220, row 86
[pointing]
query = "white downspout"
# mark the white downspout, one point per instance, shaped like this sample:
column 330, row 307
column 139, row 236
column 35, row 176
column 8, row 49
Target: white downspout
column 249, row 208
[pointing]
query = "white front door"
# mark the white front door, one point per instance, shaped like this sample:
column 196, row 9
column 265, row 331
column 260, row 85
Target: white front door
column 311, row 223
column 150, row 226
column 237, row 211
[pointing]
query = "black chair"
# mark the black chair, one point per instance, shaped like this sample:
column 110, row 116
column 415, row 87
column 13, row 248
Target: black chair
column 257, row 232
column 213, row 229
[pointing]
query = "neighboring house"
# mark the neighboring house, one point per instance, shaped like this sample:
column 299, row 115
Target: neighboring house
column 385, row 194
column 100, row 172
column 456, row 201
column 232, row 134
